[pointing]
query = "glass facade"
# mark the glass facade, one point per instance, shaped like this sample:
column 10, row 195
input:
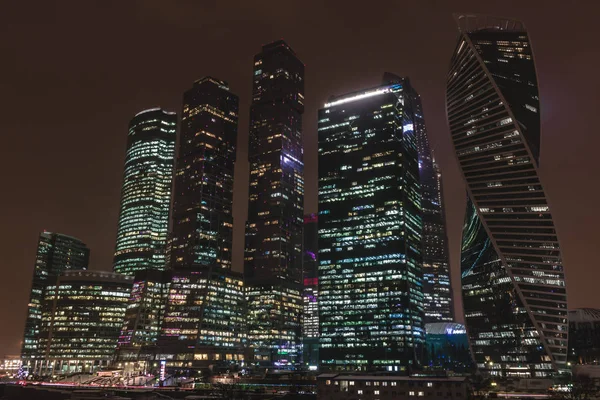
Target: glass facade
column 56, row 253
column 273, row 254
column 447, row 347
column 80, row 329
column 144, row 314
column 204, row 319
column 274, row 317
column 310, row 296
column 203, row 201
column 370, row 277
column 146, row 192
column 513, row 283
column 437, row 287
column 584, row 336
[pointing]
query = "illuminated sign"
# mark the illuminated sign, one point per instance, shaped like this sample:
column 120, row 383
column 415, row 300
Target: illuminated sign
column 163, row 366
column 311, row 281
column 365, row 95
column 452, row 331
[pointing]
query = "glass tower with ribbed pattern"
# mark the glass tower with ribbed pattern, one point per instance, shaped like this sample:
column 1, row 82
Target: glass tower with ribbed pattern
column 513, row 282
column 146, row 192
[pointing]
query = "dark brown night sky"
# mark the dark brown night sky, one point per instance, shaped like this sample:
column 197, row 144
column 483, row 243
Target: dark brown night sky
column 72, row 74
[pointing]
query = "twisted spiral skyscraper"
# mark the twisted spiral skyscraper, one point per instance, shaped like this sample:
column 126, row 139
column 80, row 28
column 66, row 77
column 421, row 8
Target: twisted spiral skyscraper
column 512, row 275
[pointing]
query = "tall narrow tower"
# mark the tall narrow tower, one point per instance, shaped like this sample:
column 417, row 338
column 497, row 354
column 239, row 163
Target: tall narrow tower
column 437, row 287
column 513, row 282
column 203, row 200
column 146, row 192
column 310, row 295
column 203, row 320
column 273, row 255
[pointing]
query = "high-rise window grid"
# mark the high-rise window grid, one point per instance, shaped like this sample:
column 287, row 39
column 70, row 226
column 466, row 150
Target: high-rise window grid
column 370, row 278
column 273, row 251
column 203, row 200
column 144, row 313
column 146, row 192
column 437, row 288
column 83, row 316
column 204, row 320
column 55, row 254
column 513, row 283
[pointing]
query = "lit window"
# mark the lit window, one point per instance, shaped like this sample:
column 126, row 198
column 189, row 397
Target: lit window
column 429, row 384
column 421, row 393
column 411, row 393
column 375, row 391
column 359, row 391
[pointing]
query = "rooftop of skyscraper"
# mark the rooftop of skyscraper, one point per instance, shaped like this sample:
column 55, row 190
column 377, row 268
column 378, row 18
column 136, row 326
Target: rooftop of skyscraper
column 477, row 22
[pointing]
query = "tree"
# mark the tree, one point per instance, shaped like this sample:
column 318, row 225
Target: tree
column 582, row 388
column 227, row 391
column 480, row 385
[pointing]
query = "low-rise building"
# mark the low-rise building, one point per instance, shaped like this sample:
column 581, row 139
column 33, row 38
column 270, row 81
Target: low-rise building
column 203, row 324
column 584, row 336
column 83, row 318
column 447, row 347
column 10, row 365
column 143, row 320
column 396, row 387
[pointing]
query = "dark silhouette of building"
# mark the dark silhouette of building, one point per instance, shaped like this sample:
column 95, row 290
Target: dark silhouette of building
column 56, row 253
column 273, row 254
column 203, row 323
column 146, row 192
column 447, row 347
column 513, row 283
column 370, row 266
column 203, row 200
column 310, row 296
column 437, row 285
column 391, row 387
column 584, row 336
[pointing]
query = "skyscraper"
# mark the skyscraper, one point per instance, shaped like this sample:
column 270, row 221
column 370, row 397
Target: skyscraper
column 310, row 296
column 437, row 288
column 370, row 278
column 203, row 323
column 512, row 275
column 146, row 192
column 203, row 201
column 273, row 255
column 56, row 253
